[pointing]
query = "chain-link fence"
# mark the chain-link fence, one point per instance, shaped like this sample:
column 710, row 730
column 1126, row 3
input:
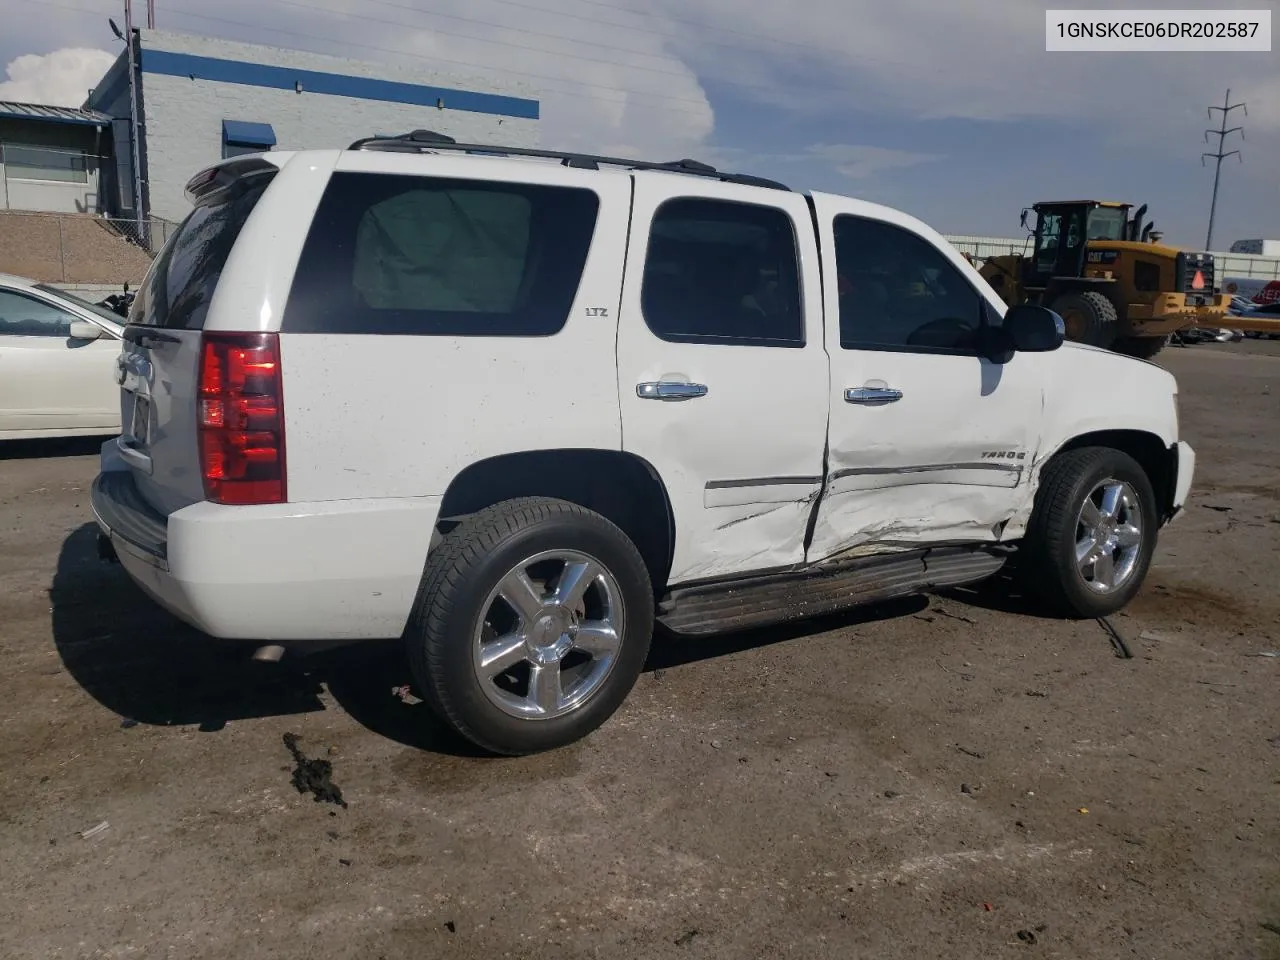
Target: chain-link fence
column 1236, row 265
column 150, row 235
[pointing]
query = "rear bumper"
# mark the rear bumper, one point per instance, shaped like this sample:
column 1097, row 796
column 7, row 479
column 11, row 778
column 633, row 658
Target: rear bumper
column 333, row 570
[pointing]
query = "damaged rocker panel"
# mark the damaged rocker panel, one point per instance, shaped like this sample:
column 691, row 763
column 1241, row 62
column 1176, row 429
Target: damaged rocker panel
column 764, row 600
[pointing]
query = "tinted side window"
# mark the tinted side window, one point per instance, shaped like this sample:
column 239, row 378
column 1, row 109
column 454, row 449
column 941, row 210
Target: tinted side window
column 397, row 254
column 899, row 292
column 722, row 272
column 22, row 316
column 180, row 286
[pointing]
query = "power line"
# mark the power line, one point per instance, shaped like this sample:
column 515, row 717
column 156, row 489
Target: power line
column 624, row 94
column 527, row 31
column 630, row 27
column 608, row 93
column 1221, row 133
column 681, row 74
column 701, row 25
column 697, row 104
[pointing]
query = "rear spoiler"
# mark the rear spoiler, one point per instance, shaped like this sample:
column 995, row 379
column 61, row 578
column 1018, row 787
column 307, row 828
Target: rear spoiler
column 216, row 180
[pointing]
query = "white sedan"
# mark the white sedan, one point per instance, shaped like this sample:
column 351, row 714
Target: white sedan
column 57, row 363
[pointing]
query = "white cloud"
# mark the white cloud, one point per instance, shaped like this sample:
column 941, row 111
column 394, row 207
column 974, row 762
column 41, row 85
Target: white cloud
column 61, row 78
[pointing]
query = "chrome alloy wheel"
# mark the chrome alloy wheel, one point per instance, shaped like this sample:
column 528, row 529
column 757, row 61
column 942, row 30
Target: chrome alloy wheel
column 1109, row 536
column 549, row 635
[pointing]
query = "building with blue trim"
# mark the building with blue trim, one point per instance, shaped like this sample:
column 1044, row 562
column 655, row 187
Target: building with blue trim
column 199, row 100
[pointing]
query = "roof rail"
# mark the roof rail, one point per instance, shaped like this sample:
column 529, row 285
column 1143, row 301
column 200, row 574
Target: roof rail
column 419, row 141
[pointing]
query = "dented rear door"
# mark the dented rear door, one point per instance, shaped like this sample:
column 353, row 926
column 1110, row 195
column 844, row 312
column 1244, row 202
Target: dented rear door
column 722, row 376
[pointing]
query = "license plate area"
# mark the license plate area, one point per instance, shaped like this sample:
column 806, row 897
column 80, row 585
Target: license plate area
column 140, row 422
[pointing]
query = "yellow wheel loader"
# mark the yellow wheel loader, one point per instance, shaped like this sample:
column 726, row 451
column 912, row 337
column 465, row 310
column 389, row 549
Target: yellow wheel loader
column 1109, row 277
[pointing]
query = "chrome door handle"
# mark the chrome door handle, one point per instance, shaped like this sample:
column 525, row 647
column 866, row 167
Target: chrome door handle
column 670, row 390
column 872, row 395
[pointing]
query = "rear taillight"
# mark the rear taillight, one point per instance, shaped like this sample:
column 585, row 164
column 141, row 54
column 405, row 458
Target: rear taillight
column 240, row 418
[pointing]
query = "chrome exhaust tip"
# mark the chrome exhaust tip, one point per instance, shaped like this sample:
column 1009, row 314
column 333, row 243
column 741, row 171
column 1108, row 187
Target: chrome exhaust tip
column 269, row 654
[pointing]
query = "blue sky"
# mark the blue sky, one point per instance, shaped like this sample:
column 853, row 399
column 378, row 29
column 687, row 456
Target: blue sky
column 949, row 109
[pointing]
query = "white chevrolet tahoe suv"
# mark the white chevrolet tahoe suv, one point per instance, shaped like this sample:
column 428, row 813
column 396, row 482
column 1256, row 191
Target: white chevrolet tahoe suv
column 515, row 407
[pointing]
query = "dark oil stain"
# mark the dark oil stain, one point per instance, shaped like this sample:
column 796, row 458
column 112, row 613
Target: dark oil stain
column 313, row 776
column 1173, row 601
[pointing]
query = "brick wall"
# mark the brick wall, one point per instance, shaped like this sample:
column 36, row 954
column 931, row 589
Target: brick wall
column 68, row 249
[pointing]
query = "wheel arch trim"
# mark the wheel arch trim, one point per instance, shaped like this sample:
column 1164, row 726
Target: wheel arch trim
column 587, row 476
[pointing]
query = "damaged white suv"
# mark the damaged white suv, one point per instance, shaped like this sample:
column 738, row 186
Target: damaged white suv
column 515, row 406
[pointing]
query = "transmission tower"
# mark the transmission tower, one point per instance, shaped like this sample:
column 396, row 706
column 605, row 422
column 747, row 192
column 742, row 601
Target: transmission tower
column 1221, row 133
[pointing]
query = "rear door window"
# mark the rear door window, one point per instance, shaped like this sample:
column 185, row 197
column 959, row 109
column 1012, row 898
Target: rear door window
column 723, row 272
column 397, row 254
column 180, row 286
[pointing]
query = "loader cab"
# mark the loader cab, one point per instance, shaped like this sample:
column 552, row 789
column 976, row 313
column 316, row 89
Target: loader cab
column 1062, row 231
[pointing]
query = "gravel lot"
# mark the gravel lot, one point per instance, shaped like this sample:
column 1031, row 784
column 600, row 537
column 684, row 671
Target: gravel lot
column 949, row 777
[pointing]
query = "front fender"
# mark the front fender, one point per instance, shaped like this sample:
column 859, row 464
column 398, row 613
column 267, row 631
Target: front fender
column 1092, row 391
column 1129, row 403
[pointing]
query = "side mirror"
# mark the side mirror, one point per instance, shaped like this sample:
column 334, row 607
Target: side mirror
column 1023, row 221
column 1034, row 329
column 84, row 330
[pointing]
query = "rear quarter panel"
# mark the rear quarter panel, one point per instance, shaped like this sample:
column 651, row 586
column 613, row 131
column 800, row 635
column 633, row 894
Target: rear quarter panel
column 259, row 271
column 401, row 416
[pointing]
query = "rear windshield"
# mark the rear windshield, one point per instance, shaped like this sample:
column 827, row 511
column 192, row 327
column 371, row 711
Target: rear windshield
column 397, row 254
column 180, row 285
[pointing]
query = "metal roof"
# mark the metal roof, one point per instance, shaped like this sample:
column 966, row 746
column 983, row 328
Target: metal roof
column 42, row 111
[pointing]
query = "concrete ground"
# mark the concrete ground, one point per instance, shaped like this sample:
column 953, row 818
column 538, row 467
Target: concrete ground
column 950, row 777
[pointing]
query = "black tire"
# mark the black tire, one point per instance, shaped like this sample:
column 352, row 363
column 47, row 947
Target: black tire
column 1144, row 348
column 463, row 571
column 1089, row 317
column 1050, row 570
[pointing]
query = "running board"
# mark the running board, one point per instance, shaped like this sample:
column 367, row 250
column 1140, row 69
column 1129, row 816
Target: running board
column 742, row 604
